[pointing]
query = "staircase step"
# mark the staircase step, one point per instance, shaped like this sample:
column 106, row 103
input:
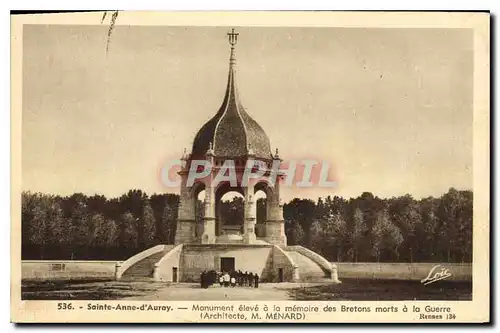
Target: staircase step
column 143, row 270
column 309, row 271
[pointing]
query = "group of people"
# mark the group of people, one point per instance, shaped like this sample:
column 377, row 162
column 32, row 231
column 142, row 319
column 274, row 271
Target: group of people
column 229, row 279
column 208, row 278
column 239, row 278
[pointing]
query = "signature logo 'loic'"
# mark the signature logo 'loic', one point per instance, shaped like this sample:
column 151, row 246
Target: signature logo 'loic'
column 435, row 275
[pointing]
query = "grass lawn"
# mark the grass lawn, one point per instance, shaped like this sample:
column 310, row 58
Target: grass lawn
column 386, row 290
column 349, row 289
column 85, row 289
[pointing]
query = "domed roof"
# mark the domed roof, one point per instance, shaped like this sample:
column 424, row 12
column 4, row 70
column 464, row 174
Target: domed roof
column 232, row 132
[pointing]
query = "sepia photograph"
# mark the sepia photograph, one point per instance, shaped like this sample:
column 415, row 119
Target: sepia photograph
column 250, row 162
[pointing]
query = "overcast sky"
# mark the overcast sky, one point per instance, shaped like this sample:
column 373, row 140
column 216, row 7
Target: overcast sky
column 390, row 109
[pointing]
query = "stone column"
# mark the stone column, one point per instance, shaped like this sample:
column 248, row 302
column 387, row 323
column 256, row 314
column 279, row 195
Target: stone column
column 275, row 223
column 186, row 221
column 156, row 273
column 334, row 274
column 208, row 236
column 250, row 217
column 217, row 216
column 118, row 272
column 295, row 274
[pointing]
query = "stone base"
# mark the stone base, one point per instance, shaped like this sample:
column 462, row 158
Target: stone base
column 185, row 231
column 275, row 232
column 271, row 262
column 197, row 258
column 230, row 239
column 335, row 274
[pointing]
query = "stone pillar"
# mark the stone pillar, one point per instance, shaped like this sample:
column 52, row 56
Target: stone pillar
column 334, row 274
column 275, row 223
column 186, row 221
column 208, row 236
column 217, row 263
column 295, row 274
column 218, row 227
column 118, row 273
column 250, row 217
column 156, row 273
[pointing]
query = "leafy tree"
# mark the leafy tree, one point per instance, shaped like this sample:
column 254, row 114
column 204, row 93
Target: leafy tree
column 46, row 225
column 427, row 232
column 464, row 240
column 294, row 233
column 232, row 211
column 358, row 233
column 302, row 211
column 386, row 236
column 340, row 233
column 261, row 217
column 157, row 203
column 451, row 221
column 149, row 225
column 261, row 210
column 80, row 224
column 130, row 226
column 105, row 231
column 335, row 205
column 133, row 202
column 330, row 235
column 28, row 204
column 97, row 203
column 404, row 212
column 169, row 219
column 359, row 229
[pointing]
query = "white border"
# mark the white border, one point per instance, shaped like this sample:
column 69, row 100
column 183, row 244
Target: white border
column 492, row 5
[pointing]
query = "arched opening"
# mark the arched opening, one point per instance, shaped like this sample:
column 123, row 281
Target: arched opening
column 232, row 211
column 261, row 213
column 229, row 211
column 261, row 196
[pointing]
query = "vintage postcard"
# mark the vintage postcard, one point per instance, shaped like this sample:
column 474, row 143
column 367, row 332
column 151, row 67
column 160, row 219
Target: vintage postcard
column 242, row 167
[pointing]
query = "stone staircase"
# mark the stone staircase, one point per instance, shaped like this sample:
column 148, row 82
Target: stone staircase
column 309, row 271
column 143, row 270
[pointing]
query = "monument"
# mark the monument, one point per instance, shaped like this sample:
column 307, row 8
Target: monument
column 231, row 141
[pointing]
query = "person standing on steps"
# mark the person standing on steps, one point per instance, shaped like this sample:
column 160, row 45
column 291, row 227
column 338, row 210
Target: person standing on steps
column 247, row 279
column 203, row 277
column 239, row 278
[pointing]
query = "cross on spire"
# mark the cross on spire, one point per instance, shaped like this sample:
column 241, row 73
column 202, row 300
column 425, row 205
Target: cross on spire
column 233, row 37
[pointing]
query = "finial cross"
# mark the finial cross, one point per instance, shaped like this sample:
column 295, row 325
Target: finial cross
column 233, row 37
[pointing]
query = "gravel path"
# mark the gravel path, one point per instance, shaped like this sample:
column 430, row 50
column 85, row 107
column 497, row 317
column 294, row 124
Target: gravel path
column 193, row 292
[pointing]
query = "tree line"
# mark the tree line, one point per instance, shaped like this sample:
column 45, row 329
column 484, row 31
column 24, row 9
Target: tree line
column 362, row 229
column 95, row 227
column 371, row 229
